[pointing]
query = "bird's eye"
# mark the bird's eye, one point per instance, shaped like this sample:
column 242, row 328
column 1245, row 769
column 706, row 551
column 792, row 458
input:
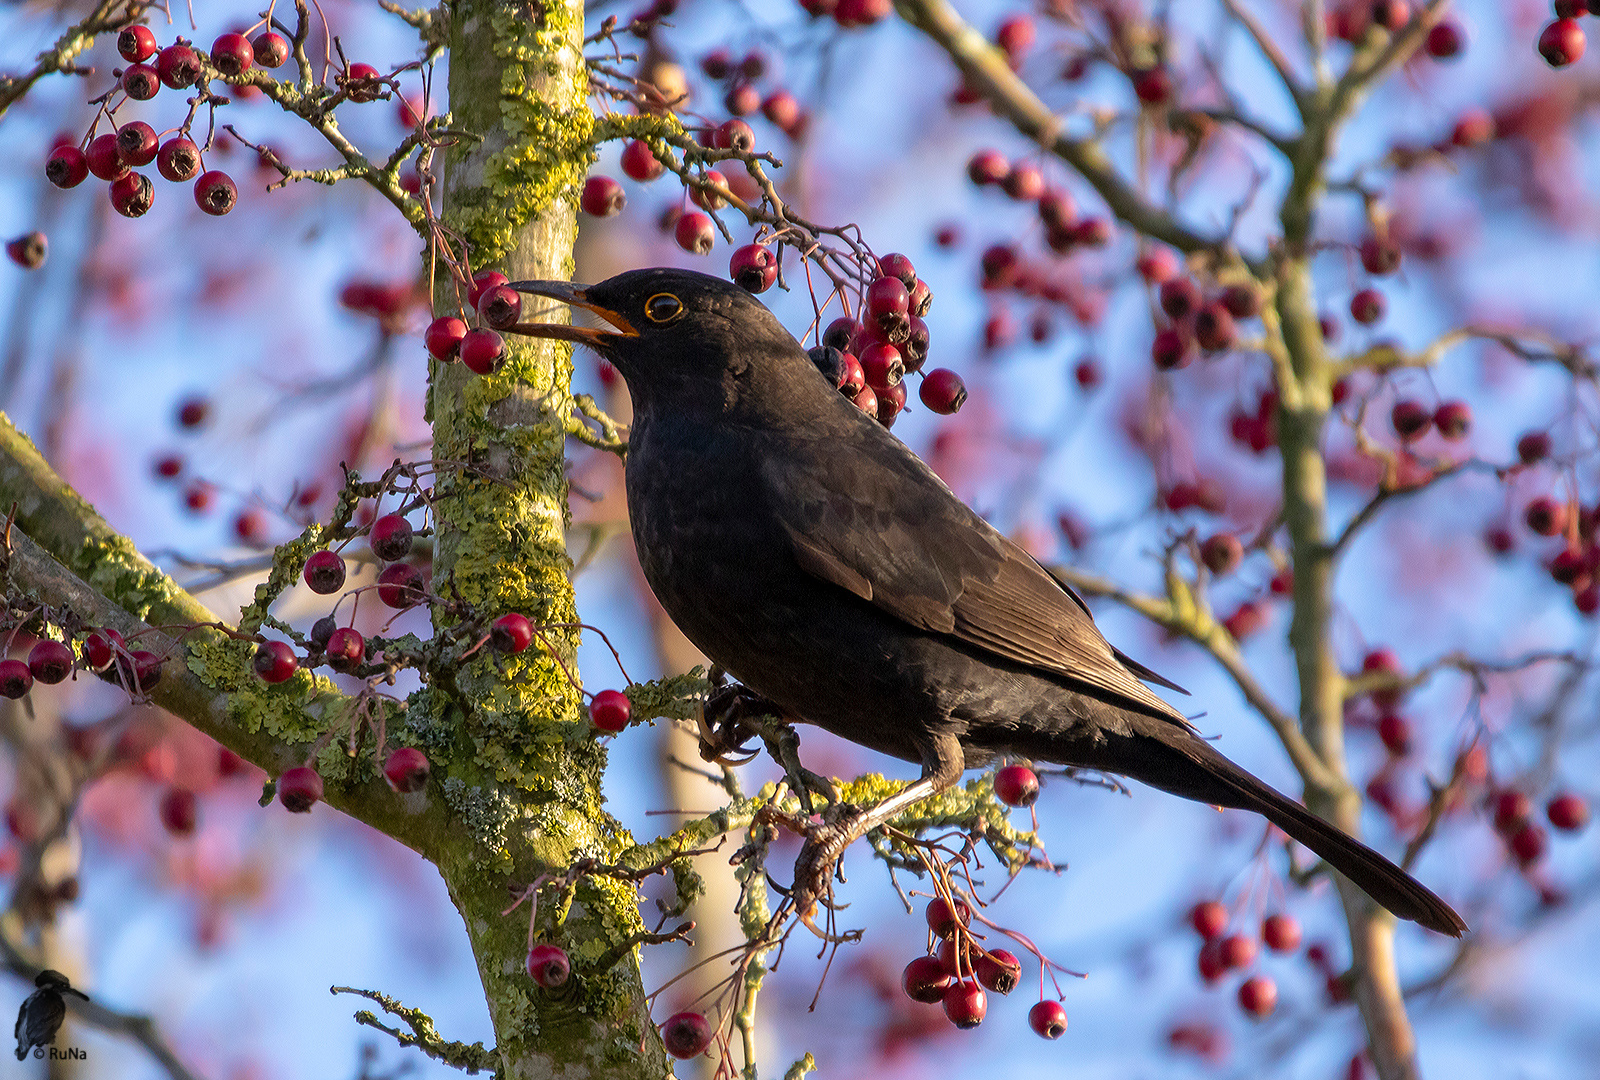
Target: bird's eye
column 663, row 307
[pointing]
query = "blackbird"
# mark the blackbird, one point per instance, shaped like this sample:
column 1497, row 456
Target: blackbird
column 41, row 1015
column 808, row 551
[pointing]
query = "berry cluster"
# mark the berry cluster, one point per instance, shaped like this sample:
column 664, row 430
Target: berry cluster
column 850, row 14
column 1198, row 323
column 741, row 97
column 496, row 306
column 1221, row 952
column 1575, row 564
column 1354, row 20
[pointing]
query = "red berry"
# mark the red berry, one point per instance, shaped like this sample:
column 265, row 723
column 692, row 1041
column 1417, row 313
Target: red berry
column 275, row 661
column 782, row 109
column 390, row 538
column 1446, row 40
column 1048, row 1020
column 1242, row 301
column 1546, row 516
column 1562, row 43
column 103, row 159
column 1087, row 373
column 49, row 661
column 443, row 338
column 1281, row 933
column 1391, row 14
column 548, row 965
column 346, row 649
column 482, row 282
column 232, row 55
column 1238, row 950
column 136, row 143
column 610, row 710
column 1171, row 349
column 742, row 99
column 299, row 789
column 890, row 401
column 1179, row 297
column 1395, row 731
column 1015, row 36
column 15, row 678
column 941, row 920
column 1016, row 785
column 271, row 49
column 1157, row 265
column 1474, row 128
column 1533, row 447
column 686, row 1035
column 1367, row 306
column 998, row 970
column 132, row 195
column 407, row 770
column 1567, row 812
column 1511, row 811
column 324, row 572
column 178, row 66
column 753, row 268
column 136, row 44
column 178, row 159
column 883, row 366
column 965, row 1004
column 708, row 196
column 1411, row 419
column 1153, row 85
column 734, row 134
column 1453, row 419
column 511, row 633
column 1213, row 327
column 400, row 586
column 1258, row 996
column 141, row 82
column 988, row 167
column 925, row 980
column 1380, row 257
column 640, row 163
column 483, row 351
column 695, row 233
column 215, row 193
column 1094, row 232
column 942, row 391
column 602, row 197
column 1246, row 619
column 180, row 811
column 67, row 167
column 100, row 647
column 500, row 307
column 1528, row 843
column 361, row 83
column 866, row 400
column 1023, row 181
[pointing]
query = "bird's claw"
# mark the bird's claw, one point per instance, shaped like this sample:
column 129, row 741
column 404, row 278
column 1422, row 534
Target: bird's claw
column 819, row 859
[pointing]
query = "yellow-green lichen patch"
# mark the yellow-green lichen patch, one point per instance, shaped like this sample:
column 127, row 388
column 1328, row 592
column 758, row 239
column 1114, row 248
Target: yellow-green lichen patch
column 116, row 570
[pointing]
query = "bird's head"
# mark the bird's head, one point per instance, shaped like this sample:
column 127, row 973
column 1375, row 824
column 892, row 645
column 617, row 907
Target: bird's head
column 677, row 335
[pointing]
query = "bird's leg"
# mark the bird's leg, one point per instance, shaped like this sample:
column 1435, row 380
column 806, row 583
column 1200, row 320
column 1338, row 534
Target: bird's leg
column 942, row 763
column 783, row 743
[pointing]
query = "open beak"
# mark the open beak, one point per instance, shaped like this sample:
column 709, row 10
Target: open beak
column 574, row 295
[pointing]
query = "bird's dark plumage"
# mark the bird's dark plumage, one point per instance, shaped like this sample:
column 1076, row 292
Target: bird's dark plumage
column 43, row 1011
column 803, row 547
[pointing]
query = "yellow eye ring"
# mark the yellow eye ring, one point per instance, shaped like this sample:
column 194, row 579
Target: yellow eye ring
column 663, row 307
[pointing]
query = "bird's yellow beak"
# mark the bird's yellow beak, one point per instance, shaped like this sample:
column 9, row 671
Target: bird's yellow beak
column 574, row 295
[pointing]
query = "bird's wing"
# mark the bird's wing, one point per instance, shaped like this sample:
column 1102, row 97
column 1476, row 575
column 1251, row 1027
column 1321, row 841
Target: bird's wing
column 879, row 524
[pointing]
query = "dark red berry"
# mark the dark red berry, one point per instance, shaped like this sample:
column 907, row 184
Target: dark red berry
column 1016, row 785
column 100, row 648
column 941, row 920
column 1446, row 40
column 1023, row 181
column 483, row 281
column 324, row 572
column 1528, row 843
column 1171, row 349
column 734, row 134
column 180, row 811
column 1546, row 516
column 28, row 250
column 483, row 351
column 988, row 167
column 1258, row 995
column 511, row 633
column 178, row 159
column 640, row 163
column 178, row 66
column 782, row 109
column 1153, row 85
column 1411, row 419
column 1533, row 447
column 361, row 83
column 1238, row 950
column 1511, row 811
column 1048, row 1020
column 1380, row 257
column 140, row 82
column 136, row 44
column 888, row 302
column 136, row 143
column 942, row 391
column 103, row 159
column 1391, row 14
column 1569, row 566
column 1562, row 43
column 346, row 649
column 1395, row 732
column 883, row 366
column 1222, row 553
column 1087, row 373
column 753, row 268
column 1567, row 812
column 49, row 661
column 965, row 1004
column 1281, row 933
column 215, row 193
column 271, row 49
column 1453, row 419
column 299, row 789
column 1157, row 265
column 742, row 99
column 232, row 55
column 866, row 400
column 400, row 586
column 1209, row 919
column 1242, row 301
column 602, row 197
column 695, row 233
column 67, row 167
column 500, row 307
column 1180, row 297
column 132, row 195
column 443, row 338
column 925, row 980
column 390, row 538
column 998, row 970
column 548, row 965
column 1214, row 328
column 686, row 1035
column 275, row 661
column 407, row 769
column 610, row 710
column 890, row 401
column 1367, row 306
